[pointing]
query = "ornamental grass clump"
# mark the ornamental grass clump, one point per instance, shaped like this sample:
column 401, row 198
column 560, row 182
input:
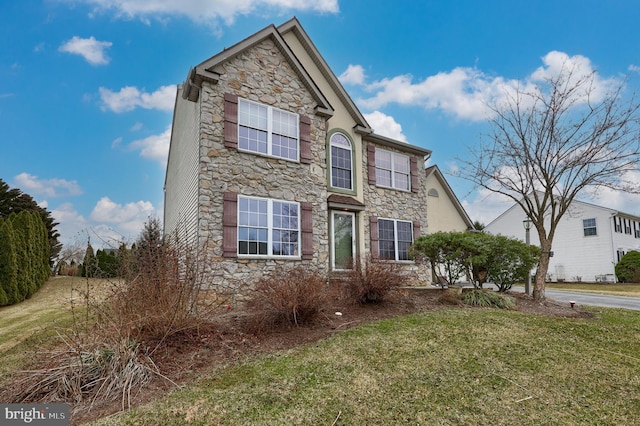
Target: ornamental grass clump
column 91, row 372
column 488, row 299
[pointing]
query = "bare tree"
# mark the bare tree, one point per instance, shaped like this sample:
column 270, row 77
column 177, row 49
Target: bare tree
column 551, row 141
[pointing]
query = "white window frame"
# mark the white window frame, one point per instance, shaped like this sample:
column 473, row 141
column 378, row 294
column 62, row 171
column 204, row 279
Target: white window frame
column 395, row 239
column 585, row 227
column 392, row 170
column 333, row 242
column 270, row 228
column 269, row 129
column 331, row 165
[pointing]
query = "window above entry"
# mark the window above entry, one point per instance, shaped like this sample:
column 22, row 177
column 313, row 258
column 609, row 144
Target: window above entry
column 341, row 162
column 389, row 169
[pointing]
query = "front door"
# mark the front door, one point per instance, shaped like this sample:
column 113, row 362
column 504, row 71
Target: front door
column 343, row 225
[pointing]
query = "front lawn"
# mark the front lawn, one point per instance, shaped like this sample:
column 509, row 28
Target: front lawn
column 449, row 366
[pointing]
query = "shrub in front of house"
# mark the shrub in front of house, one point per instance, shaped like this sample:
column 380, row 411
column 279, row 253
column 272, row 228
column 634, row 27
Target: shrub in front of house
column 293, row 296
column 372, row 281
column 488, row 299
column 628, row 269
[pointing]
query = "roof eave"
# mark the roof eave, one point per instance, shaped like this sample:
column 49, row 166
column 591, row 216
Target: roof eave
column 393, row 143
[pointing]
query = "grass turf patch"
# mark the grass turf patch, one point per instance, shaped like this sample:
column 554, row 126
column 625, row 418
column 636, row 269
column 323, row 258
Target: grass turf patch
column 451, row 366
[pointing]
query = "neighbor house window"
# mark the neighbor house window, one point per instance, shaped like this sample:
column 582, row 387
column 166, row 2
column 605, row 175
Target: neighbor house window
column 394, row 239
column 267, row 130
column 268, row 227
column 393, row 170
column 341, row 162
column 589, row 226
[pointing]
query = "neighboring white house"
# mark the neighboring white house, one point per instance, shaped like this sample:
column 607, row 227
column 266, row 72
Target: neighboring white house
column 588, row 243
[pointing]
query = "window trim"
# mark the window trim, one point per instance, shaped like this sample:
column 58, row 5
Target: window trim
column 269, row 130
column 330, row 182
column 392, row 170
column 270, row 228
column 395, row 238
column 594, row 227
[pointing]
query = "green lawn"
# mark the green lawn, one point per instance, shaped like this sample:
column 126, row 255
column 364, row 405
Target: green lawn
column 449, row 367
column 452, row 366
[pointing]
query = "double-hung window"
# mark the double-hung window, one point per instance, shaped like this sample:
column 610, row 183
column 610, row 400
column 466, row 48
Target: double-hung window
column 589, row 227
column 393, row 170
column 394, row 239
column 268, row 227
column 267, row 130
column 341, row 162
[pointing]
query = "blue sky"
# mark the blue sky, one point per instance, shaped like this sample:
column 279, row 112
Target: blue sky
column 87, row 86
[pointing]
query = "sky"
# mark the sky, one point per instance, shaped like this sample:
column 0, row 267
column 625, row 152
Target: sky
column 87, row 87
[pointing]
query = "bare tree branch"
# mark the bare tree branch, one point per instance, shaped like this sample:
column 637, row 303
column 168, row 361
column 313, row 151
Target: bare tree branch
column 550, row 142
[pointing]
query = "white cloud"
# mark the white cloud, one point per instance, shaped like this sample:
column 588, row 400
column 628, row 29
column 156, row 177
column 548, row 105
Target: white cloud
column 484, row 206
column 129, row 217
column 129, row 98
column 70, row 223
column 465, row 92
column 624, row 202
column 155, row 147
column 116, row 142
column 207, row 11
column 354, row 74
column 385, row 125
column 92, row 50
column 462, row 92
column 33, row 186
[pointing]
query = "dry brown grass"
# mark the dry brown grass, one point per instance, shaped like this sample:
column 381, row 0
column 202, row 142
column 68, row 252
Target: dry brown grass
column 108, row 352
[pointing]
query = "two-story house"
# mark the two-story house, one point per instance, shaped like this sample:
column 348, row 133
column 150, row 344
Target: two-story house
column 271, row 161
column 588, row 242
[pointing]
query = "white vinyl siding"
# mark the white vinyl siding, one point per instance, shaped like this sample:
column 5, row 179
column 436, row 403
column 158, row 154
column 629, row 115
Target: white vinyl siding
column 181, row 184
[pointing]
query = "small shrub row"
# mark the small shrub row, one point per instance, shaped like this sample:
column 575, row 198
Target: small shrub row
column 299, row 296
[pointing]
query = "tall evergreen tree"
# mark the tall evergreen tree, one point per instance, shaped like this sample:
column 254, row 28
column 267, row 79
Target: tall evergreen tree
column 23, row 255
column 8, row 265
column 13, row 200
column 89, row 264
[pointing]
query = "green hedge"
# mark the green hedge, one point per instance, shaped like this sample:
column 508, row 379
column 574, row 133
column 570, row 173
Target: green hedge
column 24, row 256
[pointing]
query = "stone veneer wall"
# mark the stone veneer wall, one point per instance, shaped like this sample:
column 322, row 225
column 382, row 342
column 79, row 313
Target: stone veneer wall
column 260, row 74
column 394, row 204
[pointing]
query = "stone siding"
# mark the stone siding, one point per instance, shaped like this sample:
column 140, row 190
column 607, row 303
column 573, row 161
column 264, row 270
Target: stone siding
column 263, row 75
column 395, row 204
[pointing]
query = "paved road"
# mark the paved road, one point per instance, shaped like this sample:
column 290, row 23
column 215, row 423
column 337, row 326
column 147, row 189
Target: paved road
column 625, row 302
column 580, row 298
